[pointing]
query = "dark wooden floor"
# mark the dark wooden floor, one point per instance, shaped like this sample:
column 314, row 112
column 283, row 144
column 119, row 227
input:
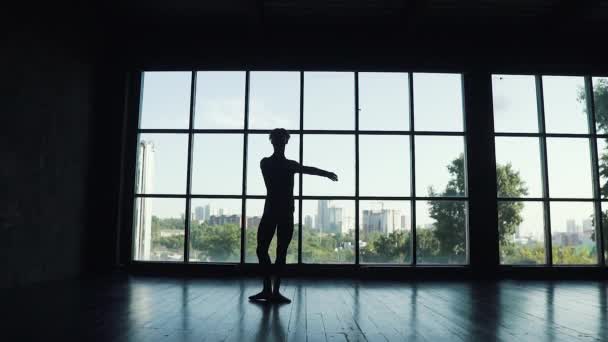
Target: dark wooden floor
column 166, row 309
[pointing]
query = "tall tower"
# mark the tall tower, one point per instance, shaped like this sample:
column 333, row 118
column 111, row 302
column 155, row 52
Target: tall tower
column 322, row 214
column 144, row 184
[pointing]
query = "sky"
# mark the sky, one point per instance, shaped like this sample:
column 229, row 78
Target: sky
column 329, row 101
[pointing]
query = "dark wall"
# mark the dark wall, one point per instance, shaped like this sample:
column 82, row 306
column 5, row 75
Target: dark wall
column 47, row 78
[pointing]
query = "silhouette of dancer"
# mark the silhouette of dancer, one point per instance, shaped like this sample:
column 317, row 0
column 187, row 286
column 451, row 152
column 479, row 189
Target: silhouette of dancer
column 278, row 173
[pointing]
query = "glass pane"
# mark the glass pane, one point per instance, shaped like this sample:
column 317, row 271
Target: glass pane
column 255, row 209
column 515, row 106
column 329, row 100
column 385, row 232
column 521, row 232
column 438, row 102
column 215, row 230
column 440, row 166
column 165, row 101
column 600, row 103
column 274, row 100
column 602, row 151
column 572, row 233
column 217, row 164
column 331, row 239
column 569, row 167
column 335, row 153
column 383, row 101
column 564, row 105
column 604, row 229
column 259, row 147
column 158, row 232
column 161, row 164
column 441, row 232
column 518, row 169
column 384, row 165
column 220, row 100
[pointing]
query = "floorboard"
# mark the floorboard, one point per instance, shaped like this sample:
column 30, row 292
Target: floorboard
column 138, row 308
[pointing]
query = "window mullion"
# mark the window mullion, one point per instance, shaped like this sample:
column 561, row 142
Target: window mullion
column 187, row 216
column 590, row 103
column 545, row 170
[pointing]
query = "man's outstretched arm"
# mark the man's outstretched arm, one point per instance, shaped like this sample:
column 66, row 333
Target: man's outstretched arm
column 310, row 170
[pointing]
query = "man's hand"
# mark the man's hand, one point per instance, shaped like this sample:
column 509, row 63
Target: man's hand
column 332, row 176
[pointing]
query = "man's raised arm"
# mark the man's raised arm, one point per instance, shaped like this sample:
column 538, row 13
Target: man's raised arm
column 310, row 170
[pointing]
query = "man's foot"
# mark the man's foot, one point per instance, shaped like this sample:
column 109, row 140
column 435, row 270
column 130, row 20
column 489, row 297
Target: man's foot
column 279, row 298
column 264, row 295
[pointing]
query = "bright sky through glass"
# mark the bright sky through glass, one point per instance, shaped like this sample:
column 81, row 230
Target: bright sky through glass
column 524, row 156
column 165, row 101
column 564, row 112
column 275, row 100
column 433, row 156
column 329, row 100
column 438, row 102
column 220, row 99
column 383, row 101
column 514, row 101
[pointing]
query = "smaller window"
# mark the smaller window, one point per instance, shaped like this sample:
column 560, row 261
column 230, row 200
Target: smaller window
column 438, row 102
column 220, row 100
column 335, row 153
column 330, row 239
column 165, row 102
column 329, row 100
column 521, row 233
column 440, row 166
column 573, row 233
column 515, row 105
column 274, row 100
column 162, row 160
column 564, row 104
column 217, row 164
column 441, row 232
column 384, row 232
column 215, row 230
column 384, row 101
column 518, row 167
column 384, row 165
column 569, row 168
column 255, row 209
column 158, row 230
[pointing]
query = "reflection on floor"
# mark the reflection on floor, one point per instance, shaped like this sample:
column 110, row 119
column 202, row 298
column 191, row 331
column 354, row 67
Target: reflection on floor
column 168, row 309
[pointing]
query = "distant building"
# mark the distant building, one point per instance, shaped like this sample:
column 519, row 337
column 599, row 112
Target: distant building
column 383, row 221
column 565, row 239
column 322, row 217
column 334, row 221
column 308, row 221
column 218, row 220
column 587, row 225
column 199, row 213
column 142, row 238
column 253, row 222
column 570, row 226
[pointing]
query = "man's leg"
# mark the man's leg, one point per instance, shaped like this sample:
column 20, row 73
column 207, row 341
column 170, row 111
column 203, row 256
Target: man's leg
column 284, row 236
column 265, row 233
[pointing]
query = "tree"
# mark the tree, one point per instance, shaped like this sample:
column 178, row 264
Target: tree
column 388, row 248
column 450, row 216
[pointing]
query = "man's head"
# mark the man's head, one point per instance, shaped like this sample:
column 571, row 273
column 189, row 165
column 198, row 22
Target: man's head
column 279, row 137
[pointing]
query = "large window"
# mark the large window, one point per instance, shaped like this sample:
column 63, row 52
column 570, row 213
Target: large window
column 396, row 141
column 551, row 162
